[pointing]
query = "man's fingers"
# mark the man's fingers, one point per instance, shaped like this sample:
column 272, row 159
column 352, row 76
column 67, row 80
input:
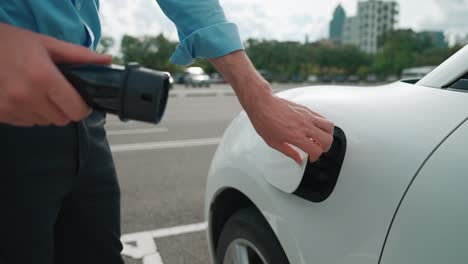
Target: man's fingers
column 13, row 120
column 289, row 151
column 20, row 123
column 316, row 114
column 305, row 109
column 51, row 113
column 63, row 52
column 66, row 98
column 312, row 147
column 313, row 112
column 39, row 120
column 324, row 124
column 325, row 139
column 318, row 120
column 78, row 55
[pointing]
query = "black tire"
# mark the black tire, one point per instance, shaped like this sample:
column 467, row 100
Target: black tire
column 250, row 225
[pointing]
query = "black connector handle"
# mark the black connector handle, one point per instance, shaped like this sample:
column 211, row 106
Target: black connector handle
column 131, row 92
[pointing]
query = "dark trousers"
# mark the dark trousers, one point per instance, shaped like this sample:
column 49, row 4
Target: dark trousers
column 59, row 195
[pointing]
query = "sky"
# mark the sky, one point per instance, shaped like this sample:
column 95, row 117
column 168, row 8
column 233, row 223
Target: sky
column 279, row 19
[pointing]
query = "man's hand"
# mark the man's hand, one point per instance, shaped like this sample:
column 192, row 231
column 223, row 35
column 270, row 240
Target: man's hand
column 279, row 122
column 32, row 89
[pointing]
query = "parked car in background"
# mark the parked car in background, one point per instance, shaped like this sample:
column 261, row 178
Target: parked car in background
column 326, row 79
column 340, row 78
column 196, row 77
column 171, row 83
column 266, row 75
column 217, row 78
column 371, row 78
column 392, row 189
column 179, row 78
column 391, row 78
column 312, row 79
column 282, row 78
column 297, row 78
column 416, row 73
column 354, row 78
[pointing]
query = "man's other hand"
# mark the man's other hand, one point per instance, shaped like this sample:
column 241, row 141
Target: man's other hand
column 281, row 123
column 32, row 89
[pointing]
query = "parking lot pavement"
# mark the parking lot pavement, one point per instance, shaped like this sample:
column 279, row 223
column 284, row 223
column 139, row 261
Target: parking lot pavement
column 162, row 171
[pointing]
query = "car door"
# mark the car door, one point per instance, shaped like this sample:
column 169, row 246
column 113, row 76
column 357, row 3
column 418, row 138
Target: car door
column 431, row 224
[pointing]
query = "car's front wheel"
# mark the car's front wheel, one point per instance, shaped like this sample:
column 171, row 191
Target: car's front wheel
column 248, row 239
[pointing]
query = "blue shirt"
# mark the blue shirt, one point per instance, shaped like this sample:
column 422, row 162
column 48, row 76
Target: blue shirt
column 203, row 29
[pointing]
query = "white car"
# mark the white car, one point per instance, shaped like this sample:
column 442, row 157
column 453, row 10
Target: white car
column 417, row 72
column 392, row 190
column 312, row 79
column 196, row 77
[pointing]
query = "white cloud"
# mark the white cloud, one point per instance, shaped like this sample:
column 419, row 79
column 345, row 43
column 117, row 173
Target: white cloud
column 134, row 17
column 451, row 15
column 279, row 19
column 273, row 19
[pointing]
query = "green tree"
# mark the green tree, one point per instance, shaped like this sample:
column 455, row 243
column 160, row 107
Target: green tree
column 151, row 52
column 286, row 59
column 405, row 49
column 105, row 44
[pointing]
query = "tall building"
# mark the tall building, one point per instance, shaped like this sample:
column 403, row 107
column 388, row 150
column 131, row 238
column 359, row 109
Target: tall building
column 337, row 24
column 374, row 18
column 351, row 31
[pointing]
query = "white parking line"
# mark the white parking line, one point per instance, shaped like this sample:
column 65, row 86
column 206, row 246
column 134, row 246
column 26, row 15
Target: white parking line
column 141, row 245
column 178, row 230
column 165, row 144
column 137, row 131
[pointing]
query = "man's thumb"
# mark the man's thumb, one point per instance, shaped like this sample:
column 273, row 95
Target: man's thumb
column 63, row 52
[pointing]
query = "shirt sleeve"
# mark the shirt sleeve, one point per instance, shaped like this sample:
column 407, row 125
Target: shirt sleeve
column 204, row 31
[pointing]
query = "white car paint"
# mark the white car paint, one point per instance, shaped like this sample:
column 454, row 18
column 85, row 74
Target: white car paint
column 391, row 130
column 431, row 225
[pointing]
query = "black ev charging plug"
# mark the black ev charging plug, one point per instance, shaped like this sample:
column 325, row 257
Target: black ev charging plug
column 131, row 92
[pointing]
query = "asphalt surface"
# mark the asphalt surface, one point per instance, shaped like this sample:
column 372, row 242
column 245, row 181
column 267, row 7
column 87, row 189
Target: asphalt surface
column 163, row 186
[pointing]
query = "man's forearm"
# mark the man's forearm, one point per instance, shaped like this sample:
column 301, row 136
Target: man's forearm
column 279, row 122
column 239, row 72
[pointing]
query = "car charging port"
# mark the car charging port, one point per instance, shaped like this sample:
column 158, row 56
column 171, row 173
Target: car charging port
column 319, row 179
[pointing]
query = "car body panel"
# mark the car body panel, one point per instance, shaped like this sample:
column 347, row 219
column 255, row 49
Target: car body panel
column 390, row 131
column 431, row 225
